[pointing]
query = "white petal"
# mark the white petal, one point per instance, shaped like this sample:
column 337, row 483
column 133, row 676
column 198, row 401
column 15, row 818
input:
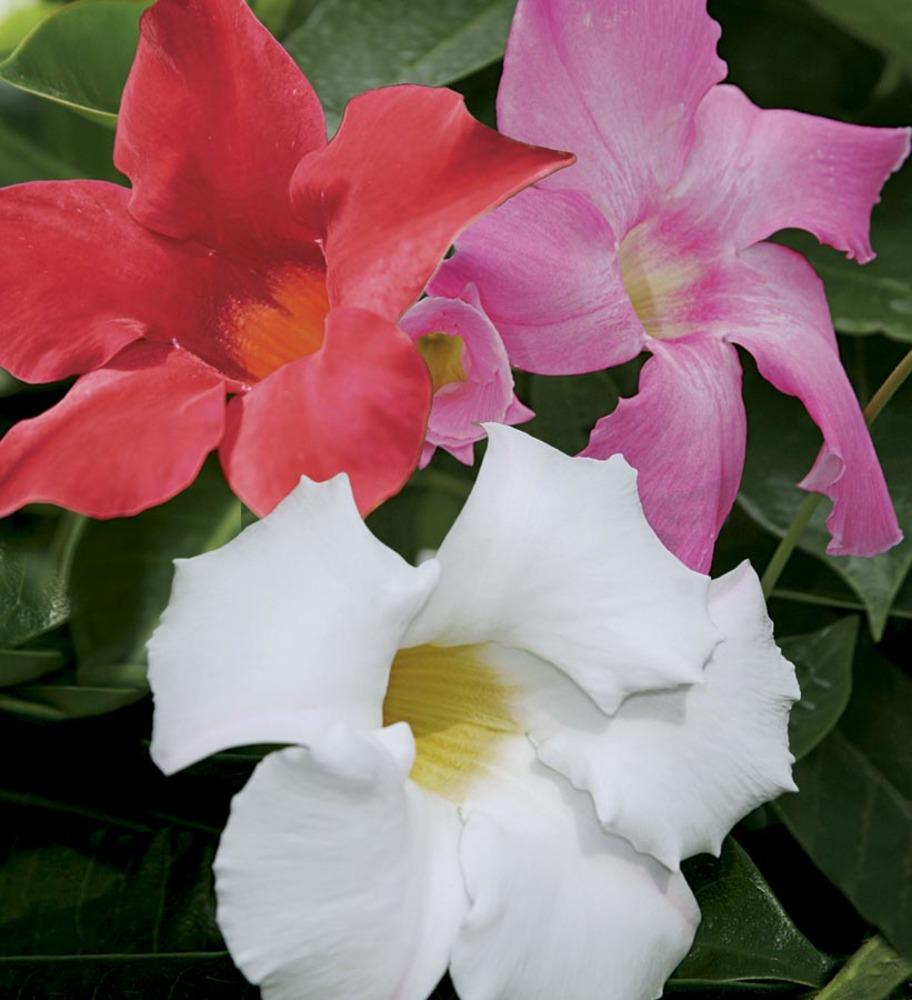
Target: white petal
column 560, row 910
column 553, row 555
column 672, row 772
column 283, row 631
column 337, row 877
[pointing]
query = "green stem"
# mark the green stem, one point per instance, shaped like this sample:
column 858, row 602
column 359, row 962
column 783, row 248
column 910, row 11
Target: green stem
column 872, row 973
column 796, row 529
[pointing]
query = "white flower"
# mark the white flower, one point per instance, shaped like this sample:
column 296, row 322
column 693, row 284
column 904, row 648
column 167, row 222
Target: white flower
column 509, row 749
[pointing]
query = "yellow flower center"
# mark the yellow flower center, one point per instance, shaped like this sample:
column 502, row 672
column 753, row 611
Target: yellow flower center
column 657, row 283
column 458, row 709
column 442, row 353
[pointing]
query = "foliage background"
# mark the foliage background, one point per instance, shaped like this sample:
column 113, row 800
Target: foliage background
column 104, row 864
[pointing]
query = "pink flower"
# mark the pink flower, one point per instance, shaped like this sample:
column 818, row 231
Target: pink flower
column 653, row 242
column 470, row 373
column 251, row 259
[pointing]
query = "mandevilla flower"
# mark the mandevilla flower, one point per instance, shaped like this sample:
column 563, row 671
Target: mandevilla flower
column 470, row 372
column 504, row 753
column 652, row 242
column 249, row 258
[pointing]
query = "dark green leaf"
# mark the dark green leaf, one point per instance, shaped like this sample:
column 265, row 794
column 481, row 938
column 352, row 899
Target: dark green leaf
column 19, row 666
column 853, row 814
column 123, row 570
column 16, row 25
column 33, row 581
column 886, row 24
column 785, row 55
column 782, row 445
column 745, row 934
column 347, row 46
column 79, row 57
column 22, row 160
column 823, row 661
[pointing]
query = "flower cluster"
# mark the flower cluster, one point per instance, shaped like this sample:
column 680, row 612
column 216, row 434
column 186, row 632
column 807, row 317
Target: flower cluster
column 495, row 761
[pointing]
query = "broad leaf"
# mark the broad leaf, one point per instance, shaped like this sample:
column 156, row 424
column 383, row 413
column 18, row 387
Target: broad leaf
column 123, row 570
column 347, row 46
column 853, row 814
column 823, row 661
column 782, row 445
column 80, row 56
column 745, row 934
column 885, row 24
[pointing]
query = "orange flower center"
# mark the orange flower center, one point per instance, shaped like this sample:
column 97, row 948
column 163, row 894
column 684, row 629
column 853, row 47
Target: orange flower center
column 261, row 335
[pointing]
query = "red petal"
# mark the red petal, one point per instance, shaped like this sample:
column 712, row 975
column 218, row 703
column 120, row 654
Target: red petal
column 125, row 438
column 82, row 279
column 359, row 405
column 408, row 171
column 215, row 116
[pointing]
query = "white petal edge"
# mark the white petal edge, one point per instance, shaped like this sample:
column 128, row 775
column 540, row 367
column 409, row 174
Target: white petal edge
column 554, row 555
column 337, row 877
column 672, row 772
column 285, row 630
column 559, row 909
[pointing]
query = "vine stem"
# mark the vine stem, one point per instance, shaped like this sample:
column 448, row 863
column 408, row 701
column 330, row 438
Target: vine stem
column 787, row 546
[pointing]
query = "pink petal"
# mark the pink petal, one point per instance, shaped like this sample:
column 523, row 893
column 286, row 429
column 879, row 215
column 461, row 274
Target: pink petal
column 684, row 432
column 753, row 172
column 615, row 81
column 778, row 311
column 126, row 437
column 359, row 405
column 407, row 171
column 214, row 119
column 547, row 272
column 486, row 395
column 82, row 279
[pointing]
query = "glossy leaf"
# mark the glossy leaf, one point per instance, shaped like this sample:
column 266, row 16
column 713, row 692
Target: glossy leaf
column 853, row 814
column 823, row 661
column 346, row 46
column 745, row 934
column 79, row 57
column 34, row 573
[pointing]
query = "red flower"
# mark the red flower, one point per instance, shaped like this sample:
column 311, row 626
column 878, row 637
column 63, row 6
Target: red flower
column 250, row 258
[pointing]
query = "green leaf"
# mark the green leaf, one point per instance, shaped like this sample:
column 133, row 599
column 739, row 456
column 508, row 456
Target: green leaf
column 823, row 661
column 872, row 973
column 22, row 160
column 347, row 46
column 80, row 56
column 123, row 569
column 885, row 24
column 785, row 55
column 33, row 581
column 875, row 298
column 15, row 26
column 745, row 934
column 67, row 701
column 782, row 446
column 853, row 814
column 19, row 666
